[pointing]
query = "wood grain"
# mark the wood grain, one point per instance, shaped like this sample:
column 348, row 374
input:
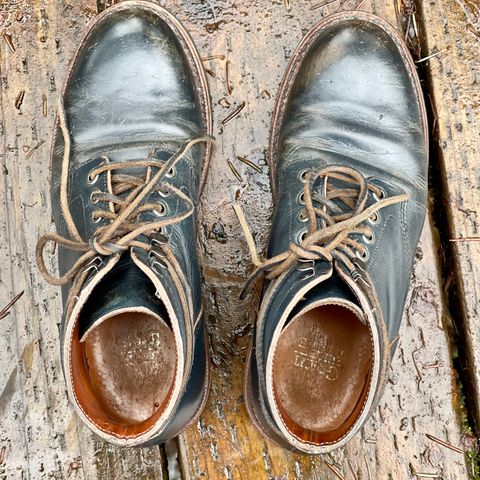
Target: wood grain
column 38, row 429
column 452, row 30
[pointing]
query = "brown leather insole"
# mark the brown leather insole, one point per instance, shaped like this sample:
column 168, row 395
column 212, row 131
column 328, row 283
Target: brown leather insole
column 131, row 364
column 321, row 373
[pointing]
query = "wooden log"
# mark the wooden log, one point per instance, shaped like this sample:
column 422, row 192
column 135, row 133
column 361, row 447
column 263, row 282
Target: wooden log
column 40, row 436
column 452, row 36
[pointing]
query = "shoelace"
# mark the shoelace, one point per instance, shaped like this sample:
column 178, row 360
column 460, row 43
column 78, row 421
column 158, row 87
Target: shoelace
column 124, row 229
column 332, row 238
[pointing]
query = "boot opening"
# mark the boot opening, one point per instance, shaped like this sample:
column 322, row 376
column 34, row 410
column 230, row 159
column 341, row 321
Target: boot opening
column 321, row 373
column 123, row 363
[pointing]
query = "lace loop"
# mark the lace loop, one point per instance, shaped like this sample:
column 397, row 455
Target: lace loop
column 329, row 226
column 124, row 227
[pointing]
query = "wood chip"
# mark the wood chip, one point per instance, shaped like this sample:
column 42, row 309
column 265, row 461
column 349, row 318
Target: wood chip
column 321, row 5
column 233, row 114
column 19, row 99
column 466, row 239
column 424, row 59
column 227, row 77
column 30, row 152
column 213, row 57
column 472, row 29
column 6, row 309
column 249, row 163
column 8, row 40
column 444, row 443
column 426, row 475
column 234, row 171
column 334, row 470
column 44, row 105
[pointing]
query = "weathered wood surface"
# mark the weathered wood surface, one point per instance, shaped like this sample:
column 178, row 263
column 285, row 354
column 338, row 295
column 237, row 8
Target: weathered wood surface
column 453, row 36
column 38, row 429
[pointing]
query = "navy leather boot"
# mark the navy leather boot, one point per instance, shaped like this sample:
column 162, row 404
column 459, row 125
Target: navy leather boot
column 348, row 160
column 129, row 159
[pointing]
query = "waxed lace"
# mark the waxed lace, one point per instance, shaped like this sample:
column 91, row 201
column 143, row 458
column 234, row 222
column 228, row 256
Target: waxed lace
column 125, row 227
column 330, row 238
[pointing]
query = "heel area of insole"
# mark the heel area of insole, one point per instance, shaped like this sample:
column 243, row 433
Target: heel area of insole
column 321, row 372
column 131, row 364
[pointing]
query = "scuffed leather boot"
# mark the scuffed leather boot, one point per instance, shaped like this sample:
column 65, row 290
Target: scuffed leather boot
column 128, row 161
column 348, row 155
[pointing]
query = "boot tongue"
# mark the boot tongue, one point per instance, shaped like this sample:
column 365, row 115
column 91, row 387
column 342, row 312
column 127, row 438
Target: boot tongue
column 124, row 289
column 333, row 291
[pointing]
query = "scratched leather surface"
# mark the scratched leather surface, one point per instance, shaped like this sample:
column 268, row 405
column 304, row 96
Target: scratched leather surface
column 353, row 103
column 130, row 94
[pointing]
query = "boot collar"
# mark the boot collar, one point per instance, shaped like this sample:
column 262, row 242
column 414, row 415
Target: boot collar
column 173, row 292
column 280, row 300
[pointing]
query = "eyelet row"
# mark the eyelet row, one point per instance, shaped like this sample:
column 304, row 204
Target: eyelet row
column 302, row 215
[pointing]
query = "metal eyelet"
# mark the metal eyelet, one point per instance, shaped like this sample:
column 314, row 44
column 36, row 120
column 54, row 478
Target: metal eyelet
column 165, row 194
column 95, row 219
column 158, row 239
column 160, row 264
column 363, row 256
column 302, row 216
column 302, row 176
column 94, row 264
column 157, row 260
column 94, row 194
column 301, row 235
column 374, row 219
column 155, row 255
column 171, row 173
column 369, row 239
column 307, row 267
column 301, row 198
column 162, row 211
column 92, row 180
column 382, row 194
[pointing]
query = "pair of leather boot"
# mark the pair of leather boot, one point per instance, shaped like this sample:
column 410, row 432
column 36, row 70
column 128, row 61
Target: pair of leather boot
column 348, row 163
